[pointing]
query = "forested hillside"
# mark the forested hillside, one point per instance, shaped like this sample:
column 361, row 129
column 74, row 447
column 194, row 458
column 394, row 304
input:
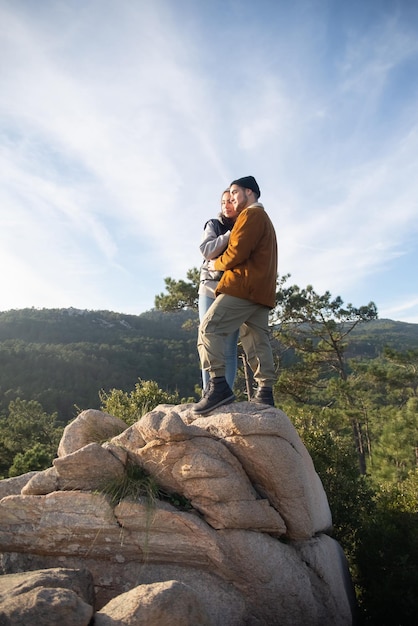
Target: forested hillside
column 370, row 338
column 63, row 357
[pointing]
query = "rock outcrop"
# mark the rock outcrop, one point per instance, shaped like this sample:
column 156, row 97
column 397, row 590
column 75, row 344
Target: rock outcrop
column 47, row 597
column 252, row 547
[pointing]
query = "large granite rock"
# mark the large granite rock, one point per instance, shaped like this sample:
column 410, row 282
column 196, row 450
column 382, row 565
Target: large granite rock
column 216, row 460
column 47, row 598
column 252, row 548
column 168, row 603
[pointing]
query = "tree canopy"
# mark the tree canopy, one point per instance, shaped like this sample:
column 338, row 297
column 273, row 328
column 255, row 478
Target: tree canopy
column 181, row 294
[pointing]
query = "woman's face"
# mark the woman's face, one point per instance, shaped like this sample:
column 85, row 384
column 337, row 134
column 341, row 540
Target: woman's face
column 227, row 207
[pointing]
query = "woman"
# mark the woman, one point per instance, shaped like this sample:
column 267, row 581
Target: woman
column 215, row 241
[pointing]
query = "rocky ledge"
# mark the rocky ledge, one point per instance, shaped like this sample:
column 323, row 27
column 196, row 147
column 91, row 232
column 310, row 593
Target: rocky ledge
column 245, row 540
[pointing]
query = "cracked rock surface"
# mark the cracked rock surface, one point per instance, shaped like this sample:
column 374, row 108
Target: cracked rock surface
column 253, row 547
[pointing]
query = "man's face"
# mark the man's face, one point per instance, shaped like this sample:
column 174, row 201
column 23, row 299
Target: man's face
column 239, row 198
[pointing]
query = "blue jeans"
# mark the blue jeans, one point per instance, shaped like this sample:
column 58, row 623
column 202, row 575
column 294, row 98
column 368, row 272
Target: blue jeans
column 231, row 342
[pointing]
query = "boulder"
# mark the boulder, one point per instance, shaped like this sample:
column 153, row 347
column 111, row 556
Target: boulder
column 205, row 458
column 46, row 598
column 240, row 532
column 90, row 426
column 13, row 486
column 79, row 581
column 168, row 603
column 45, row 606
column 41, row 483
column 88, row 468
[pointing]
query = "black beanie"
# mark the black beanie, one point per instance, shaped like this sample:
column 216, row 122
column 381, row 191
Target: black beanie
column 247, row 182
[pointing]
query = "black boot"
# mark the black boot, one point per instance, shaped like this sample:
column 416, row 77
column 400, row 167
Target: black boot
column 217, row 392
column 264, row 395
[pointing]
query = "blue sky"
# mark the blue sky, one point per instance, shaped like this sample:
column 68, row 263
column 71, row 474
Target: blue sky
column 121, row 122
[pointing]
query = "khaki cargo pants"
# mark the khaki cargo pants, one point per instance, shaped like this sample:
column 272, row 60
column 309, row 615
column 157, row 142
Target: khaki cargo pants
column 226, row 315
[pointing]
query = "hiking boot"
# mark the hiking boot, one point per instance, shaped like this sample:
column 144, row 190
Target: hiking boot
column 217, row 392
column 264, row 395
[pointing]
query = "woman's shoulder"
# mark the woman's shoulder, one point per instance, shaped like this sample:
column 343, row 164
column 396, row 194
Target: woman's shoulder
column 216, row 224
column 212, row 221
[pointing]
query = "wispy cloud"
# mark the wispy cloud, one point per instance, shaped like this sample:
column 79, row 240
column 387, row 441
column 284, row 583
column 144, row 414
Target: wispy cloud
column 121, row 123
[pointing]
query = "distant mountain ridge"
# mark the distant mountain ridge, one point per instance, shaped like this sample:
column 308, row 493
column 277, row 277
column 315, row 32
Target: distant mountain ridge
column 80, row 324
column 31, row 324
column 373, row 336
column 64, row 357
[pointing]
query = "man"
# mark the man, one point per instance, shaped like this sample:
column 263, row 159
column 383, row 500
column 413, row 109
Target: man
column 245, row 294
